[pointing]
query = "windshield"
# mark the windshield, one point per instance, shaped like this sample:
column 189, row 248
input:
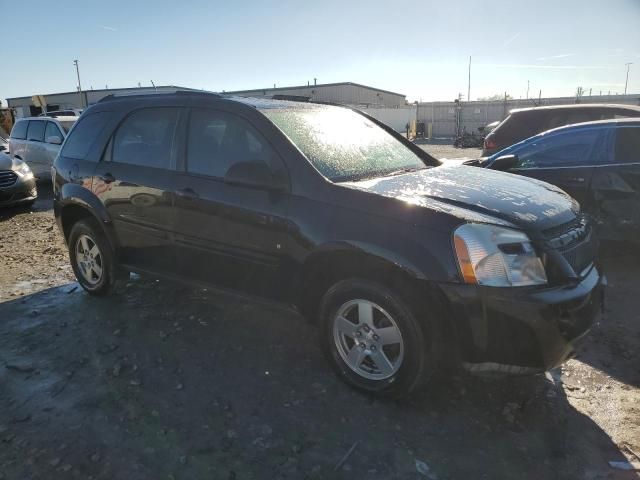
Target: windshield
column 342, row 144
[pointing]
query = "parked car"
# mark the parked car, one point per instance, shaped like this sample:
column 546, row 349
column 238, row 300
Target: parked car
column 17, row 184
column 404, row 264
column 37, row 141
column 523, row 123
column 597, row 163
column 4, row 144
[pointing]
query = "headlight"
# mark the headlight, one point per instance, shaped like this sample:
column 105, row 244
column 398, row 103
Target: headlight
column 20, row 167
column 497, row 256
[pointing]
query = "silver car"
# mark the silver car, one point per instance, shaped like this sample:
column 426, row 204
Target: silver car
column 37, row 140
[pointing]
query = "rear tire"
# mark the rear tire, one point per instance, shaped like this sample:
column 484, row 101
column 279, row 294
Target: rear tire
column 92, row 258
column 373, row 340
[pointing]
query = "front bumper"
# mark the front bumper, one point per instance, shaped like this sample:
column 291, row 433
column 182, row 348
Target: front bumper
column 523, row 330
column 22, row 191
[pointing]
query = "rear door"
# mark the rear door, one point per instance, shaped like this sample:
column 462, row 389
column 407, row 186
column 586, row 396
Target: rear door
column 135, row 182
column 36, row 155
column 616, row 186
column 565, row 159
column 230, row 235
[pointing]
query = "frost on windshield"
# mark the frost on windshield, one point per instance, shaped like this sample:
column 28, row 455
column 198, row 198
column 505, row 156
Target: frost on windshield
column 342, row 144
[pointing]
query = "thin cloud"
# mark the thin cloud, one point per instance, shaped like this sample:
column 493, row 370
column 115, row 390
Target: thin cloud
column 510, row 39
column 107, row 27
column 552, row 57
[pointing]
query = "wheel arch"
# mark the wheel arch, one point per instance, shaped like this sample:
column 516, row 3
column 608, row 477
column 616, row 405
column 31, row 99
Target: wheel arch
column 76, row 203
column 423, row 295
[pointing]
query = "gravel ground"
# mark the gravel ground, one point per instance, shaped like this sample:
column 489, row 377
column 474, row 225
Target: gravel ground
column 443, row 152
column 166, row 382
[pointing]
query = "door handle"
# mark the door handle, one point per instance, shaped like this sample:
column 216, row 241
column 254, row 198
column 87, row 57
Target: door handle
column 107, row 178
column 187, row 194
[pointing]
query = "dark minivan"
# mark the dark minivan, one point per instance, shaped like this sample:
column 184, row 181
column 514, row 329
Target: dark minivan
column 526, row 122
column 406, row 265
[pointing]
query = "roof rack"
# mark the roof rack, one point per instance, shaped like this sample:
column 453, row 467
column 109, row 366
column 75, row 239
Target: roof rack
column 115, row 96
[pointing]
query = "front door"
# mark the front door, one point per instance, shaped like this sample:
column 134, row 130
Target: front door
column 135, row 181
column 616, row 187
column 230, row 235
column 565, row 159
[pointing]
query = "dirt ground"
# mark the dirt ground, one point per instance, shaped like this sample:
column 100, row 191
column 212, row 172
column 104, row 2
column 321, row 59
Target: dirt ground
column 166, row 382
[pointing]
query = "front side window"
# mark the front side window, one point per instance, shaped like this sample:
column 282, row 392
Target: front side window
column 83, row 135
column 217, row 140
column 147, row 138
column 35, row 132
column 52, row 131
column 343, row 145
column 627, row 145
column 565, row 149
column 19, row 131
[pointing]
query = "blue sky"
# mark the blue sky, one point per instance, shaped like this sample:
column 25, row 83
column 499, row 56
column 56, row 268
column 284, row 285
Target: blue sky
column 420, row 51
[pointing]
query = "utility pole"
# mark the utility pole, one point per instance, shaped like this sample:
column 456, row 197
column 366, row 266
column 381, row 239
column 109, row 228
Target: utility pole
column 469, row 83
column 527, row 89
column 75, row 62
column 626, row 82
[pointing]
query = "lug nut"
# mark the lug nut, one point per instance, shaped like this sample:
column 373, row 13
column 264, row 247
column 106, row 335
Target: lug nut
column 363, row 346
column 376, row 337
column 373, row 348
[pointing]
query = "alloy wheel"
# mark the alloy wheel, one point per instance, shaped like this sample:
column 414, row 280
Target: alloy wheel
column 89, row 260
column 368, row 339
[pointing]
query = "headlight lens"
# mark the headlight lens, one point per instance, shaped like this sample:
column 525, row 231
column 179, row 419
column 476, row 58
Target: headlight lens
column 21, row 167
column 497, row 256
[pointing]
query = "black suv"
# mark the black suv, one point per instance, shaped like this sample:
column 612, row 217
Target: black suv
column 405, row 264
column 523, row 123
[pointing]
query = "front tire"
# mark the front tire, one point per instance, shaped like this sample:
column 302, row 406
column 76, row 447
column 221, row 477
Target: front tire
column 373, row 340
column 92, row 258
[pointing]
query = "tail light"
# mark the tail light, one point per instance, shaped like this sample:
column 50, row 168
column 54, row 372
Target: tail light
column 490, row 143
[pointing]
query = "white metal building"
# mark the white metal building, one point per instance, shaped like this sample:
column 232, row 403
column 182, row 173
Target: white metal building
column 346, row 93
column 26, row 106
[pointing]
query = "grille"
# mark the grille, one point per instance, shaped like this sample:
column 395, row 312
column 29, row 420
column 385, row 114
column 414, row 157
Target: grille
column 7, row 178
column 574, row 240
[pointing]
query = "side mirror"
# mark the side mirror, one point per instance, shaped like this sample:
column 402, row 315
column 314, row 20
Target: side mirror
column 55, row 140
column 505, row 162
column 253, row 174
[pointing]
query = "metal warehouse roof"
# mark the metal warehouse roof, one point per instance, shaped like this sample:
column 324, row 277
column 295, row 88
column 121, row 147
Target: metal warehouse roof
column 318, row 85
column 111, row 90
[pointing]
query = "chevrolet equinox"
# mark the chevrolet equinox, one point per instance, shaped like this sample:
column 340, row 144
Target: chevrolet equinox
column 407, row 266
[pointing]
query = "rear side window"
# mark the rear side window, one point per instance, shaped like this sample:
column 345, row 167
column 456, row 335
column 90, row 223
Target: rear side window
column 518, row 126
column 83, row 135
column 19, row 131
column 627, row 145
column 566, row 149
column 52, row 131
column 217, row 140
column 35, row 132
column 147, row 138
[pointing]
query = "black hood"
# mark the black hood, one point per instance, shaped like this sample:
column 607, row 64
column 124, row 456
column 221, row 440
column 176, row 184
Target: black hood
column 478, row 194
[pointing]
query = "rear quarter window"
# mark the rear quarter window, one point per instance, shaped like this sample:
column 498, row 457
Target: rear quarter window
column 19, row 131
column 84, row 133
